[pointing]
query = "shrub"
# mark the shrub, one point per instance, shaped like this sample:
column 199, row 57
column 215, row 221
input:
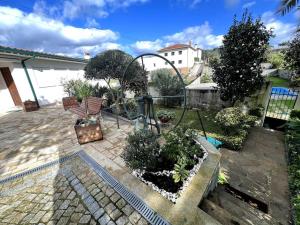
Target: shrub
column 257, row 111
column 99, row 91
column 292, row 54
column 180, row 172
column 230, row 119
column 142, row 150
column 167, row 84
column 233, row 142
column 179, row 144
column 293, row 144
column 295, row 114
column 276, row 59
column 165, row 115
column 205, row 78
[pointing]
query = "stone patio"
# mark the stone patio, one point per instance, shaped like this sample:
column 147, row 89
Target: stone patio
column 50, row 196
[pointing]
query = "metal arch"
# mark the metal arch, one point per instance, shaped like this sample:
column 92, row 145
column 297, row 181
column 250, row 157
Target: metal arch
column 177, row 73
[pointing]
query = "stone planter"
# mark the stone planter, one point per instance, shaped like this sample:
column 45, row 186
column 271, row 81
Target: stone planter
column 69, row 102
column 88, row 132
column 29, row 106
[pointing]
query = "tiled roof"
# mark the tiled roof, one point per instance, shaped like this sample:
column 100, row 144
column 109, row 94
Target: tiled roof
column 29, row 53
column 173, row 47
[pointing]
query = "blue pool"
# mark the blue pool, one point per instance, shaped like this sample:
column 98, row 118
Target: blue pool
column 283, row 91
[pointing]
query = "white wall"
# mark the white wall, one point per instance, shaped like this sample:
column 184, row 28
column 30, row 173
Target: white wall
column 187, row 59
column 47, row 77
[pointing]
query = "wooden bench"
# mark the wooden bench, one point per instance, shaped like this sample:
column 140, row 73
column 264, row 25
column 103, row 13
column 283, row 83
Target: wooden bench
column 91, row 106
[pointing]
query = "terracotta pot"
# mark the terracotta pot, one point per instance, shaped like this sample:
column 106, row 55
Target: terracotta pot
column 89, row 132
column 29, row 106
column 164, row 120
column 70, row 102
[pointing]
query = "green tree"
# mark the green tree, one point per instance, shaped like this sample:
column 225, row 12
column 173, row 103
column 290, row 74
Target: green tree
column 110, row 66
column 292, row 55
column 238, row 72
column 167, row 84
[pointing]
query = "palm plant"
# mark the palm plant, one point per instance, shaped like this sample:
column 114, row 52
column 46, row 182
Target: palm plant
column 287, row 5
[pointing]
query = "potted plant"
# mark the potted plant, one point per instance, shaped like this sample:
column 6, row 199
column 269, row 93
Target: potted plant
column 165, row 116
column 29, row 106
column 88, row 128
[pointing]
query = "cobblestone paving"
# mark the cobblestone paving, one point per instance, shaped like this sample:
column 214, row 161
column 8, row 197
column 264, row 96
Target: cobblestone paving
column 69, row 193
column 31, row 139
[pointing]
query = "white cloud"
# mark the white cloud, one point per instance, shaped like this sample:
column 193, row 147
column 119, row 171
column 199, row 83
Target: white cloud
column 249, row 4
column 146, row 46
column 91, row 22
column 32, row 31
column 282, row 31
column 231, row 3
column 201, row 35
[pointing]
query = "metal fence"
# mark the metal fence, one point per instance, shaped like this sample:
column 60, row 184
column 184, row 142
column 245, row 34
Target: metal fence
column 282, row 101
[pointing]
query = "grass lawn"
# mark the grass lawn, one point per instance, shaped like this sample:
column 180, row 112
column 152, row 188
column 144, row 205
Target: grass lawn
column 278, row 82
column 191, row 119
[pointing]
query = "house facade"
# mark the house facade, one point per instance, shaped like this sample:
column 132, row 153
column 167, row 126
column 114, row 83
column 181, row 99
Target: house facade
column 182, row 56
column 28, row 75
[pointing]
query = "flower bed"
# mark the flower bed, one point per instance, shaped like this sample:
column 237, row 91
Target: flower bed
column 166, row 163
column 163, row 182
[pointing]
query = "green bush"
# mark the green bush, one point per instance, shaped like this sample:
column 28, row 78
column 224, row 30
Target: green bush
column 179, row 143
column 233, row 142
column 257, row 111
column 167, row 84
column 99, row 91
column 295, row 114
column 166, row 115
column 293, row 144
column 276, row 59
column 205, row 78
column 142, row 150
column 230, row 119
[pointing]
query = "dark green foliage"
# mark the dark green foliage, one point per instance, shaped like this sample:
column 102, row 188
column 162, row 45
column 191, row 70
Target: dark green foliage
column 292, row 55
column 111, row 64
column 295, row 114
column 257, row 111
column 167, row 84
column 99, row 91
column 233, row 141
column 238, row 72
column 142, row 150
column 179, row 143
column 165, row 115
column 230, row 119
column 293, row 144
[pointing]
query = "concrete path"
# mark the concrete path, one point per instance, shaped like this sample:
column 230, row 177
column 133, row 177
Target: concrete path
column 260, row 171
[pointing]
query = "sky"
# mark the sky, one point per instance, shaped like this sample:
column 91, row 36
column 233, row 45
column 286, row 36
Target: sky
column 73, row 27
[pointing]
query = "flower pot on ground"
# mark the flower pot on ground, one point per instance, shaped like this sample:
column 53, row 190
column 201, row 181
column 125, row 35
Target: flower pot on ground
column 88, row 130
column 69, row 102
column 165, row 116
column 29, row 106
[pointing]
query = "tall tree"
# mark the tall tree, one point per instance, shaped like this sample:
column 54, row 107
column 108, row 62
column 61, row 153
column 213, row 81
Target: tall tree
column 292, row 55
column 110, row 66
column 287, row 5
column 238, row 72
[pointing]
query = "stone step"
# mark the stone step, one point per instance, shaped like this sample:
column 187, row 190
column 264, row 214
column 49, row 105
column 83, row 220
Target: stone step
column 243, row 210
column 220, row 214
column 241, row 182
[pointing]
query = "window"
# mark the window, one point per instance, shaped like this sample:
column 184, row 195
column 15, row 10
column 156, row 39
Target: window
column 179, row 61
column 172, row 53
column 180, row 52
column 173, row 62
column 166, row 54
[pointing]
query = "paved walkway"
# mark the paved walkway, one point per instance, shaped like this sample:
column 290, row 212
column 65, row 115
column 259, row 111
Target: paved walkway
column 31, row 139
column 259, row 170
column 70, row 193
